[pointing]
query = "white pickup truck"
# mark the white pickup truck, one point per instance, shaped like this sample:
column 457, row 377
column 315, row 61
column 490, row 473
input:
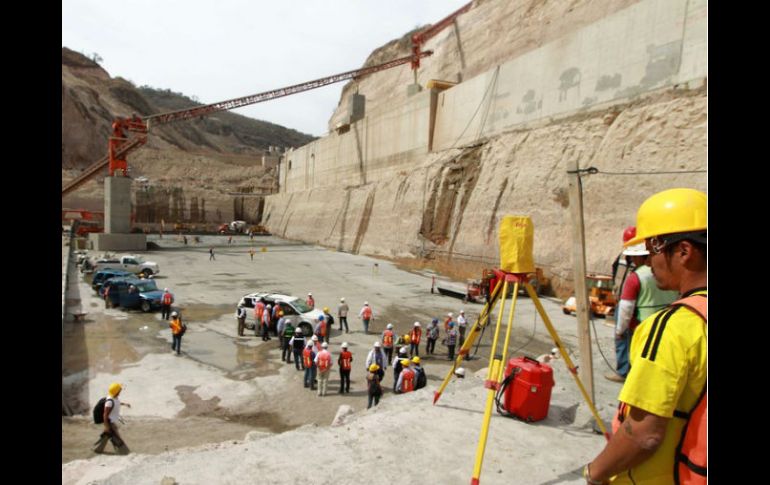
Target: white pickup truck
column 130, row 262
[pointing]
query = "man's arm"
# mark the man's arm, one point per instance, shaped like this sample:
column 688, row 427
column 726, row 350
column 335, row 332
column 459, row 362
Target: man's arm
column 638, row 438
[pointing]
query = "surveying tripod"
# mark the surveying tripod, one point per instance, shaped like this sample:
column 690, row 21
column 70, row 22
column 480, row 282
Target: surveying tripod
column 497, row 359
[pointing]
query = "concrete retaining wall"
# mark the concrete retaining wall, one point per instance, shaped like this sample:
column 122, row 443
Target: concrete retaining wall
column 649, row 45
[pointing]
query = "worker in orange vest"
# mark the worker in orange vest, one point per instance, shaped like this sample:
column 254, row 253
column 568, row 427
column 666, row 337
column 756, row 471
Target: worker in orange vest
column 345, row 362
column 323, row 360
column 308, row 361
column 405, row 379
column 414, row 339
column 310, row 301
column 387, row 341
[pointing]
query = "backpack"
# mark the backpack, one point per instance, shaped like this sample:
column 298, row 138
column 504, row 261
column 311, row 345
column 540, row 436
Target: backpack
column 421, row 380
column 99, row 411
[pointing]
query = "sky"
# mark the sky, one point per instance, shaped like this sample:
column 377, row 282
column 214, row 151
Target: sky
column 218, row 50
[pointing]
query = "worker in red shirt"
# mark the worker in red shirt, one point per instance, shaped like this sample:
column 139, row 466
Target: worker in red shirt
column 344, row 361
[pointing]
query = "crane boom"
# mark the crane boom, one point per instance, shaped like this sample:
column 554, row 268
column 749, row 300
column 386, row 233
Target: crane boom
column 120, row 145
column 423, row 36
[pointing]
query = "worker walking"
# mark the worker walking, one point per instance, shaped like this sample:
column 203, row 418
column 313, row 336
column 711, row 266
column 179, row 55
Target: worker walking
column 211, row 255
column 112, row 419
column 251, row 253
column 165, row 304
column 414, row 340
column 288, row 333
column 345, row 362
column 660, row 426
column 266, row 323
column 323, row 360
column 432, row 334
column 342, row 313
column 177, row 330
column 310, row 301
column 387, row 341
column 398, row 365
column 366, row 315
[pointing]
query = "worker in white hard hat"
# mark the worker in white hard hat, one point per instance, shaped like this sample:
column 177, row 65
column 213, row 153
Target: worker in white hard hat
column 310, row 301
column 461, row 324
column 367, row 315
column 449, row 318
column 165, row 304
column 388, row 338
column 398, row 365
column 323, row 360
column 377, row 356
column 345, row 362
column 414, row 339
column 460, row 373
column 342, row 314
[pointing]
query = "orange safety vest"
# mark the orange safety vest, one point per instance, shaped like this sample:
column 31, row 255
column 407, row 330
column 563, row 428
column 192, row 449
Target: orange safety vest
column 324, row 361
column 307, row 358
column 322, row 328
column 258, row 309
column 407, row 380
column 367, row 313
column 387, row 339
column 166, row 298
column 415, row 335
column 345, row 359
column 691, row 460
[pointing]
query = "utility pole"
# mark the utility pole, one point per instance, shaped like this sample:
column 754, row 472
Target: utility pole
column 579, row 270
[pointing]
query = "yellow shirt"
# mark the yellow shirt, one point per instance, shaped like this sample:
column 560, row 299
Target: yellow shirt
column 668, row 371
column 176, row 326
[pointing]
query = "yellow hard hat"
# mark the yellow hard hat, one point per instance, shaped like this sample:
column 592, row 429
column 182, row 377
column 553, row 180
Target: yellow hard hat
column 405, row 362
column 668, row 212
column 114, row 389
column 374, row 368
column 416, row 359
column 326, row 309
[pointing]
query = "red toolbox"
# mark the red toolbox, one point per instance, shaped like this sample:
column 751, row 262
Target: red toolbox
column 528, row 394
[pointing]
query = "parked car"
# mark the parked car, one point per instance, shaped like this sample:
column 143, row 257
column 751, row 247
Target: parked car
column 145, row 295
column 300, row 314
column 131, row 262
column 100, row 277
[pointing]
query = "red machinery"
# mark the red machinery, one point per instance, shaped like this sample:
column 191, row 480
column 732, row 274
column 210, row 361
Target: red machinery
column 120, row 144
column 423, row 36
column 526, row 389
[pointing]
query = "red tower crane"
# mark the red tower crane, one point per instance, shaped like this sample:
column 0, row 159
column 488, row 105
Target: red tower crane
column 120, row 143
column 423, row 36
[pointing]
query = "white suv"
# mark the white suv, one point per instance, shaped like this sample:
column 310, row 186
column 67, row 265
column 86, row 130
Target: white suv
column 296, row 310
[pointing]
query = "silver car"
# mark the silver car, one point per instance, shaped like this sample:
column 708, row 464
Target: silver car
column 295, row 309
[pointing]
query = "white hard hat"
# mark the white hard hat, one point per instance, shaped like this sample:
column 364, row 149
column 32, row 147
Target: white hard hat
column 344, row 345
column 377, row 343
column 315, row 338
column 554, row 350
column 324, row 345
column 636, row 250
column 460, row 371
column 462, row 311
column 416, row 324
column 309, row 343
column 366, row 303
column 174, row 314
column 309, row 294
column 165, row 289
column 389, row 326
column 402, row 350
column 449, row 314
column 342, row 299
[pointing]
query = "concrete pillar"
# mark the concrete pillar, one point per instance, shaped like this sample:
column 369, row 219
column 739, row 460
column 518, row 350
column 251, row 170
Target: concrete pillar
column 117, row 205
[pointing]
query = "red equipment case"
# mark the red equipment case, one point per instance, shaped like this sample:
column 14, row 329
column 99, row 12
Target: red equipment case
column 528, row 394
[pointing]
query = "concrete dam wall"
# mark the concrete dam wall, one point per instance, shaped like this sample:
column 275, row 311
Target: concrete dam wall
column 431, row 174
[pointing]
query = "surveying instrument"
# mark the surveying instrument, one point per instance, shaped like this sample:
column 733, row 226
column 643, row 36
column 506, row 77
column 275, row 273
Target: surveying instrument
column 516, row 264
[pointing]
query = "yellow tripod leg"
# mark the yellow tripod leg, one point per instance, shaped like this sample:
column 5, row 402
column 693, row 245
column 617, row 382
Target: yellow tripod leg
column 570, row 366
column 474, row 332
column 494, row 376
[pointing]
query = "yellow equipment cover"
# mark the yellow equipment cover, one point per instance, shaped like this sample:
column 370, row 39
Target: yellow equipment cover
column 517, row 236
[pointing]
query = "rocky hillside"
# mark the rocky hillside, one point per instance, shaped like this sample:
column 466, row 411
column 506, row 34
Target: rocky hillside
column 227, row 145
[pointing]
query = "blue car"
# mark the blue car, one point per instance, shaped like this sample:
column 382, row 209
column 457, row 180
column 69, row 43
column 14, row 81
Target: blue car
column 134, row 293
column 100, row 277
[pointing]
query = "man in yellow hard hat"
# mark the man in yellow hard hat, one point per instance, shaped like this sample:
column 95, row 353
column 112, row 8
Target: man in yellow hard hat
column 664, row 396
column 110, row 417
